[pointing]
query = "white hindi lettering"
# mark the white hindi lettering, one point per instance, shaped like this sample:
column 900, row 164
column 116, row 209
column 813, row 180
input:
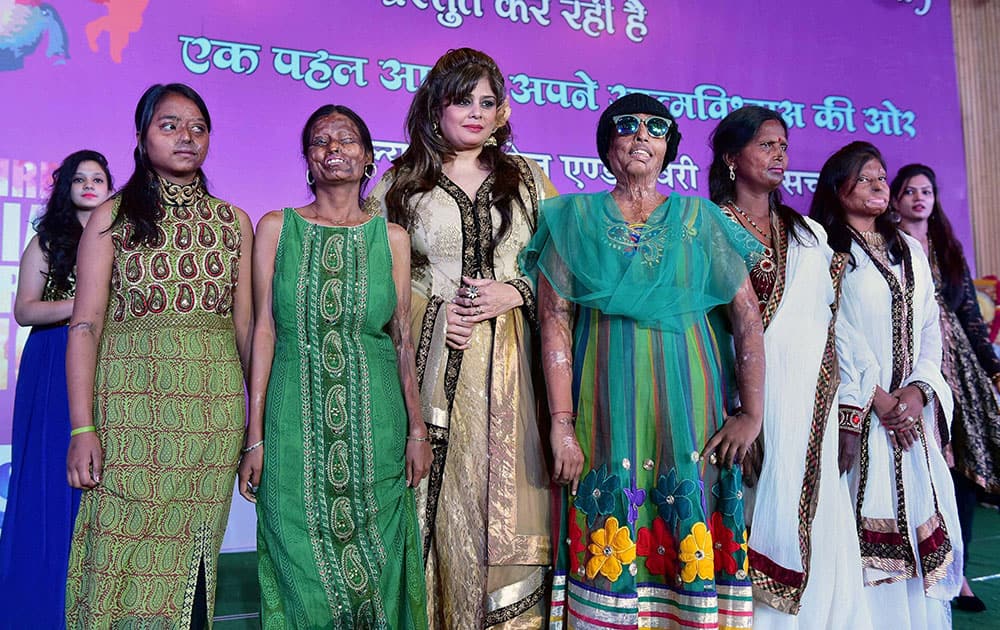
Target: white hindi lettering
column 919, row 10
column 396, row 75
column 540, row 91
column 635, row 28
column 521, row 11
column 593, row 17
column 836, row 114
column 890, row 121
column 236, row 57
column 795, row 179
column 319, row 73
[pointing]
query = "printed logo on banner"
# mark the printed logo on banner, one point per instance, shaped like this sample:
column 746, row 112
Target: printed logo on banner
column 23, row 25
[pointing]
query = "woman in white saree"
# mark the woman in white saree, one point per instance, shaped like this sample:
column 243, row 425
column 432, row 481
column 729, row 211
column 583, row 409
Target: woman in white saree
column 804, row 557
column 892, row 398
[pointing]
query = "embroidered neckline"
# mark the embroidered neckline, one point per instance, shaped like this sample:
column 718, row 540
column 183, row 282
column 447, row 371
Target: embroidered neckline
column 181, row 194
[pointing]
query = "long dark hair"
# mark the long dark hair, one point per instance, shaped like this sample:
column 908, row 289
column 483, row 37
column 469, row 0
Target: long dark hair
column 947, row 249
column 417, row 170
column 59, row 229
column 366, row 138
column 140, row 196
column 732, row 135
column 839, row 175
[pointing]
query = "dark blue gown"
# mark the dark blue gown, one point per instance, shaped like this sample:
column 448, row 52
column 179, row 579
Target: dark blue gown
column 41, row 506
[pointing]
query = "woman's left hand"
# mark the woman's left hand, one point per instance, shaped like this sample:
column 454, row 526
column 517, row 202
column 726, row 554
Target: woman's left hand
column 418, row 461
column 731, row 442
column 481, row 299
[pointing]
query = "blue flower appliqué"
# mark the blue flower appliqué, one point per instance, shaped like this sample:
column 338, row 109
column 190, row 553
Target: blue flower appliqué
column 729, row 494
column 673, row 498
column 596, row 494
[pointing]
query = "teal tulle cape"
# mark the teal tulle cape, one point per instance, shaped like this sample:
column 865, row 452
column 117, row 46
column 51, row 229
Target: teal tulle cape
column 686, row 260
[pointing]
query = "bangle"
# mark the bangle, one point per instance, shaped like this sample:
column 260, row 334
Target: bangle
column 850, row 419
column 926, row 390
column 87, row 429
column 252, row 447
column 417, row 438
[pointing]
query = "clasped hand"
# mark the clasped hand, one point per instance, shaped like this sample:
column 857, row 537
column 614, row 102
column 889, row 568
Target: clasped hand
column 478, row 300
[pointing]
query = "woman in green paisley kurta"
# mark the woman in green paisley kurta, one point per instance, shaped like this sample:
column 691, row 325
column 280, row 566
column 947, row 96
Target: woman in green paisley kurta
column 160, row 326
column 336, row 440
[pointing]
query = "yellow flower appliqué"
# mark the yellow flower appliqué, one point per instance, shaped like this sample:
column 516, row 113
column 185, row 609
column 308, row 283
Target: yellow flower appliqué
column 746, row 552
column 610, row 548
column 697, row 554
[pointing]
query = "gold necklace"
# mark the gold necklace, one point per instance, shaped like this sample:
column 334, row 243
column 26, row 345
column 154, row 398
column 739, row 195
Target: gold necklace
column 753, row 223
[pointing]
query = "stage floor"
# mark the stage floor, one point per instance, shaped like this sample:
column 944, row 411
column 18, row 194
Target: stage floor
column 237, row 598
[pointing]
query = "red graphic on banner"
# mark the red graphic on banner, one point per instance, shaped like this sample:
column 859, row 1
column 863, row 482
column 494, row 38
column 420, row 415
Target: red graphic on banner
column 124, row 18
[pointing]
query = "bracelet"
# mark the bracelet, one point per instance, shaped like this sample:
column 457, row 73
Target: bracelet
column 850, row 419
column 417, row 439
column 252, row 447
column 87, row 429
column 926, row 390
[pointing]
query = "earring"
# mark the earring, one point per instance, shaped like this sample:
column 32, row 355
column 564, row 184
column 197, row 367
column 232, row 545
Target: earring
column 437, row 128
column 491, row 141
column 309, row 178
column 732, row 173
column 374, row 169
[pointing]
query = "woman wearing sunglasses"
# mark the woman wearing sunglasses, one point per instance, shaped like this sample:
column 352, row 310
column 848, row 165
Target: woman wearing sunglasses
column 802, row 562
column 627, row 280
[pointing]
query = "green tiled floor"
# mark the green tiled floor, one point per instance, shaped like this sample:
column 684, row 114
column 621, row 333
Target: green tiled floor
column 238, row 597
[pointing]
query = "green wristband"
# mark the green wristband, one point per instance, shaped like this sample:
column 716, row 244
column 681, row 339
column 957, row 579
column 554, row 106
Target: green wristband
column 87, row 429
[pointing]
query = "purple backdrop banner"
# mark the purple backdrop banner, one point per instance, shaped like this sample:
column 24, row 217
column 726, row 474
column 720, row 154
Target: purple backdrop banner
column 71, row 72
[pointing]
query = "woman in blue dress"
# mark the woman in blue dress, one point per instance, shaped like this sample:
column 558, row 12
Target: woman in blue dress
column 41, row 506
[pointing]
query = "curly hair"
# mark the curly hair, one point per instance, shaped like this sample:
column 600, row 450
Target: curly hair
column 59, row 229
column 418, row 169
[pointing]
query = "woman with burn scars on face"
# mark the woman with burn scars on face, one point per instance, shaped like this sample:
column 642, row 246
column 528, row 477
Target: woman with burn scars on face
column 651, row 523
column 892, row 397
column 157, row 344
column 336, row 441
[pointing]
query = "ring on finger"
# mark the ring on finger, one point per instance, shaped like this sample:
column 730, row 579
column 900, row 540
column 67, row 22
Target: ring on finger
column 472, row 293
column 479, row 310
column 891, row 432
column 902, row 406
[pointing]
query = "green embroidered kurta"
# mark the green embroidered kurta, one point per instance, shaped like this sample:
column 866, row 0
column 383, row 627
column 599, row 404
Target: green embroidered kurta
column 337, row 536
column 169, row 411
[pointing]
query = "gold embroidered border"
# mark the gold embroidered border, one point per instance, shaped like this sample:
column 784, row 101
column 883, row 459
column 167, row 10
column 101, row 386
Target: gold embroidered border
column 884, row 555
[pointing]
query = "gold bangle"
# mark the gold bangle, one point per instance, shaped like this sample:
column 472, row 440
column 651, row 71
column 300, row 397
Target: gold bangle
column 87, row 429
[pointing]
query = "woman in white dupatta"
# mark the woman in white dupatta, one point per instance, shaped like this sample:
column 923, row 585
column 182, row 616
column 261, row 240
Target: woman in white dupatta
column 805, row 562
column 892, row 392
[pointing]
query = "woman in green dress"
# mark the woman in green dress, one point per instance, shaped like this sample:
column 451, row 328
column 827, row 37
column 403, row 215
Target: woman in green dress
column 160, row 326
column 336, row 440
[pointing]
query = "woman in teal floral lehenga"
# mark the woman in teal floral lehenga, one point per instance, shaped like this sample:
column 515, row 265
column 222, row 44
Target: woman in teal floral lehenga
column 653, row 535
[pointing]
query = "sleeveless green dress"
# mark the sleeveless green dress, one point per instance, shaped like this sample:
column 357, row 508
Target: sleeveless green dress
column 337, row 536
